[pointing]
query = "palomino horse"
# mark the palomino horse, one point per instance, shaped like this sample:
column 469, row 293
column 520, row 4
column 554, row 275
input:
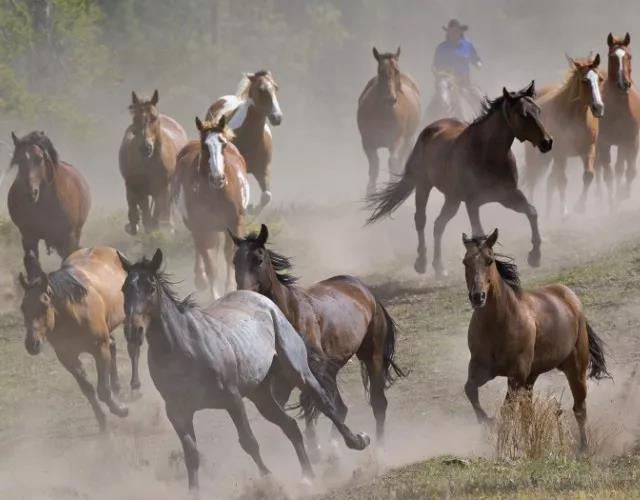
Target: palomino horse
column 446, row 101
column 338, row 318
column 240, row 346
column 247, row 113
column 571, row 113
column 520, row 335
column 76, row 309
column 49, row 199
column 472, row 164
column 147, row 163
column 388, row 115
column 619, row 126
column 212, row 191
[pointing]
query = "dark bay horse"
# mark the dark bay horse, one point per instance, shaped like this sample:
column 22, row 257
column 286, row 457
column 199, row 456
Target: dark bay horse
column 472, row 164
column 49, row 199
column 338, row 317
column 76, row 309
column 519, row 334
column 571, row 112
column 147, row 163
column 247, row 112
column 619, row 126
column 388, row 115
column 211, row 190
column 241, row 346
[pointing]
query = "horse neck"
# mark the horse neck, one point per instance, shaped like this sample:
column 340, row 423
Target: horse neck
column 282, row 295
column 568, row 96
column 168, row 327
column 501, row 300
column 496, row 133
column 255, row 120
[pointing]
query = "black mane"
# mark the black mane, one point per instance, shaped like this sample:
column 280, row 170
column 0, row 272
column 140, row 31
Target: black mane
column 40, row 139
column 164, row 280
column 279, row 262
column 488, row 107
column 507, row 268
column 65, row 286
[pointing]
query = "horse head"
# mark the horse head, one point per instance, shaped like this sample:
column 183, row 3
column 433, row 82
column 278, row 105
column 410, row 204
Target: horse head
column 214, row 138
column 37, row 309
column 262, row 91
column 523, row 117
column 146, row 123
column 620, row 61
column 587, row 78
column 389, row 77
column 478, row 262
column 36, row 159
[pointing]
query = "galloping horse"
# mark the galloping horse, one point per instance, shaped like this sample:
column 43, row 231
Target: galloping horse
column 49, row 199
column 240, row 346
column 520, row 335
column 472, row 164
column 337, row 317
column 620, row 125
column 446, row 101
column 212, row 190
column 76, row 309
column 388, row 115
column 571, row 113
column 147, row 163
column 247, row 113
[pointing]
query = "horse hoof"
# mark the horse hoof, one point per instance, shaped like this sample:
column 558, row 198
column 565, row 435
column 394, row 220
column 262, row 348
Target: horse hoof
column 441, row 273
column 120, row 410
column 420, row 265
column 361, row 441
column 533, row 258
column 131, row 229
column 135, row 385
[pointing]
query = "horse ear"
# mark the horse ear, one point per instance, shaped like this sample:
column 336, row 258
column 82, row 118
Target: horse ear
column 251, row 76
column 398, row 52
column 596, row 61
column 126, row 263
column 156, row 261
column 155, row 97
column 505, row 93
column 627, row 40
column 610, row 40
column 236, row 240
column 531, row 89
column 376, row 54
column 491, row 240
column 134, row 98
column 571, row 61
column 263, row 236
column 23, row 281
column 14, row 137
column 199, row 124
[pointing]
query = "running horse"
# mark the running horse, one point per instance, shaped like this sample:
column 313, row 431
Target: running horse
column 211, row 190
column 338, row 318
column 76, row 309
column 619, row 127
column 522, row 334
column 571, row 112
column 470, row 163
column 388, row 115
column 147, row 163
column 49, row 199
column 241, row 346
column 247, row 112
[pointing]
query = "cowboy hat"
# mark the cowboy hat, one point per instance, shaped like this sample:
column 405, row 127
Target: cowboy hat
column 455, row 24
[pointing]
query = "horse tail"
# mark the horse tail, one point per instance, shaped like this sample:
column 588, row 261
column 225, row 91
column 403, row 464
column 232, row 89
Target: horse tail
column 384, row 202
column 324, row 372
column 390, row 349
column 597, row 362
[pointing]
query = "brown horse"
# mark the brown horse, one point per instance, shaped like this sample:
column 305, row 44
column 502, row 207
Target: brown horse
column 49, row 199
column 520, row 335
column 147, row 163
column 571, row 112
column 338, row 318
column 211, row 190
column 76, row 309
column 472, row 164
column 388, row 115
column 247, row 113
column 619, row 127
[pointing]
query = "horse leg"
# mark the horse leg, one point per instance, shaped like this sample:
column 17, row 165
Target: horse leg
column 478, row 375
column 631, row 156
column 102, row 356
column 161, row 209
column 604, row 165
column 133, row 213
column 517, row 201
column 115, row 380
column 148, row 221
column 420, row 219
column 210, row 266
column 473, row 211
column 448, row 211
column 395, row 159
column 200, row 278
column 31, row 259
column 182, row 422
column 245, row 434
column 376, row 372
column 134, row 356
column 229, row 251
column 587, row 178
column 341, row 413
column 264, row 181
column 374, row 168
column 558, row 180
column 73, row 364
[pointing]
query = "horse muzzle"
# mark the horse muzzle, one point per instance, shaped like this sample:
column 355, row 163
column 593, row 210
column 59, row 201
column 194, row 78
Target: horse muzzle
column 478, row 299
column 35, row 195
column 33, row 346
column 218, row 182
column 275, row 119
column 147, row 150
column 546, row 145
column 597, row 110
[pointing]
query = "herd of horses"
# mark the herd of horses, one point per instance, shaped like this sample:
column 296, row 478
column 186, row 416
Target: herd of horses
column 273, row 335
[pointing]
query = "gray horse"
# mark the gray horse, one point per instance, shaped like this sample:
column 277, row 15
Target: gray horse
column 240, row 346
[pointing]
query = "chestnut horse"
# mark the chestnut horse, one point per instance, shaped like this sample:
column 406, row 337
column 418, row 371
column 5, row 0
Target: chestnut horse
column 49, row 199
column 571, row 112
column 211, row 190
column 76, row 309
column 147, row 163
column 247, row 112
column 620, row 125
column 338, row 318
column 472, row 164
column 520, row 334
column 388, row 115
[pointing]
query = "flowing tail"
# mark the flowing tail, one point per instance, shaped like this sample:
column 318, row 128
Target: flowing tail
column 597, row 362
column 384, row 202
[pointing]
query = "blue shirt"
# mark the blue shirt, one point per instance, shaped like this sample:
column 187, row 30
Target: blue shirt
column 456, row 58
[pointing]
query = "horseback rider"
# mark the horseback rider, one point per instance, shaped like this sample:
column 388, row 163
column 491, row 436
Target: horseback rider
column 455, row 56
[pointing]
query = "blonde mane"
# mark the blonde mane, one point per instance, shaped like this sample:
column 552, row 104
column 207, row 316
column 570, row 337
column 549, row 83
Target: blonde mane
column 571, row 85
column 213, row 126
column 242, row 91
